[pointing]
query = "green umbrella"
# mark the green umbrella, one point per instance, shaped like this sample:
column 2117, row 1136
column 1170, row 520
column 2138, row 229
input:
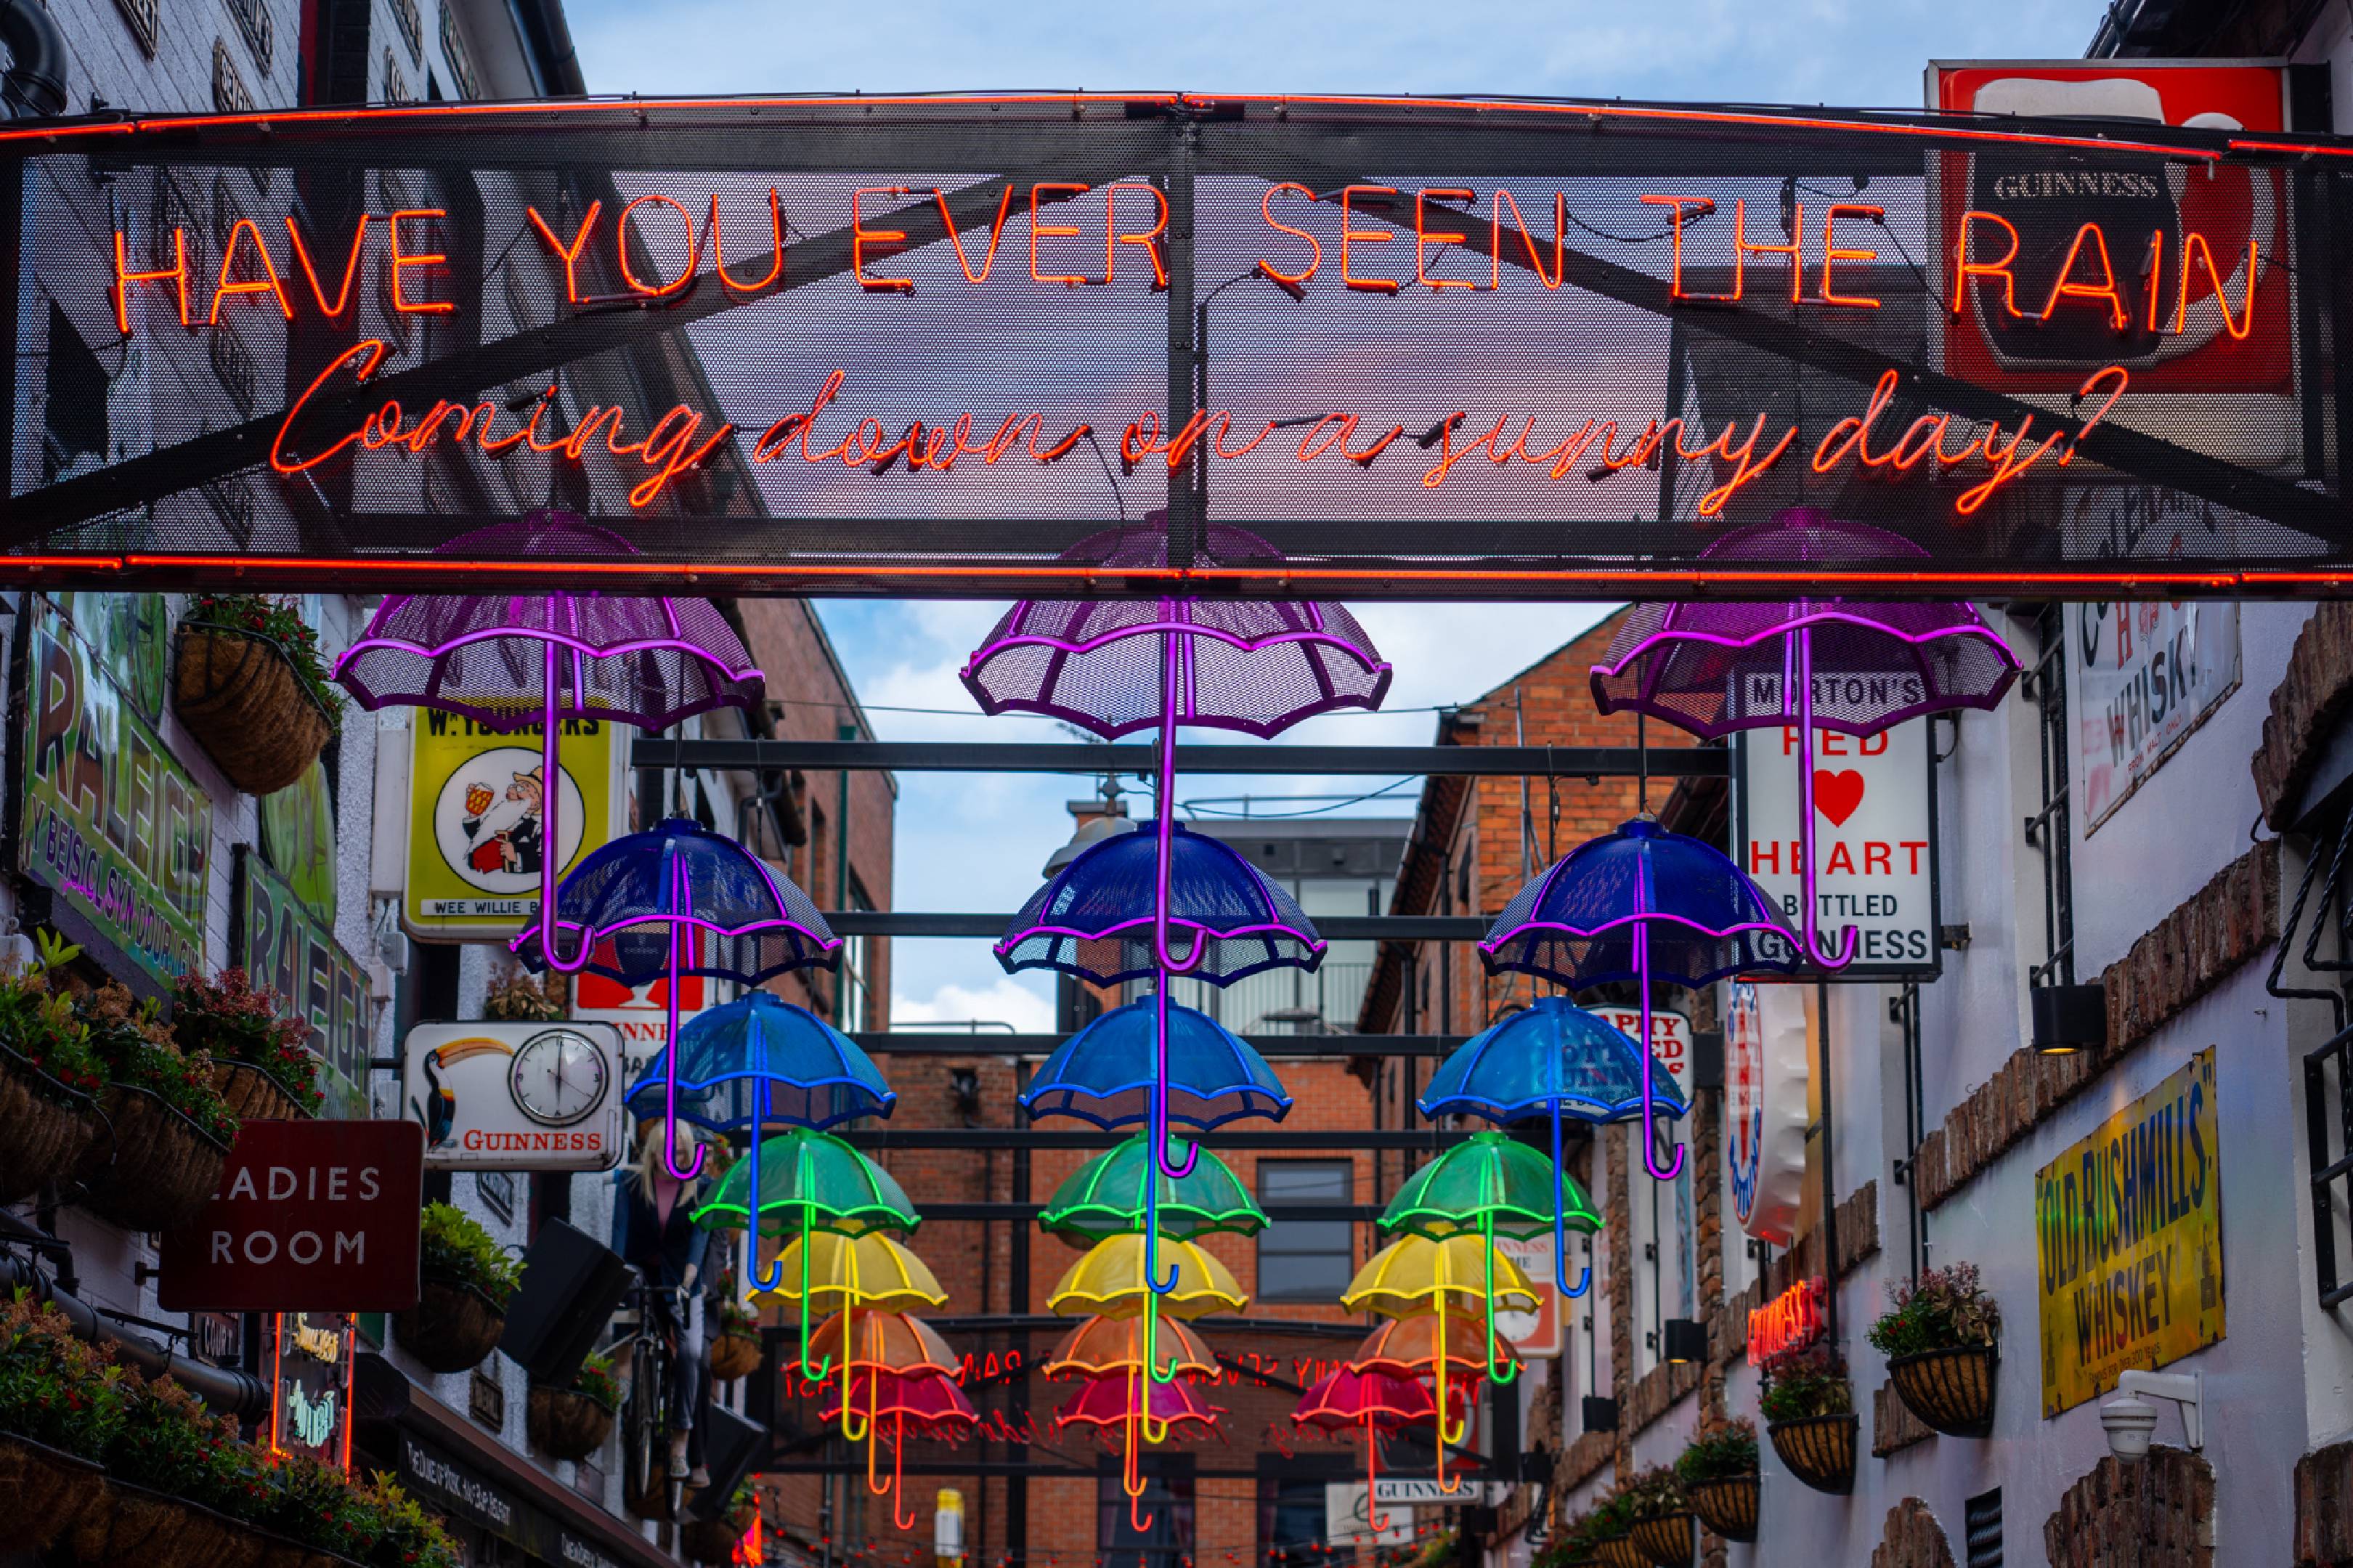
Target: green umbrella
column 808, row 1182
column 1106, row 1198
column 1489, row 1185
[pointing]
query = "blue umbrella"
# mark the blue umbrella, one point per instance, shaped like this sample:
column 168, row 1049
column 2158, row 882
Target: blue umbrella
column 676, row 900
column 1107, row 918
column 1638, row 904
column 760, row 1060
column 1098, row 1074
column 1552, row 1058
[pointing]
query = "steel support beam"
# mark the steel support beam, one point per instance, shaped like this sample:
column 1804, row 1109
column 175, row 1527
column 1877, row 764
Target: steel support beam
column 1003, row 757
column 1025, row 1213
column 1225, row 1140
column 1274, row 1047
column 1333, row 928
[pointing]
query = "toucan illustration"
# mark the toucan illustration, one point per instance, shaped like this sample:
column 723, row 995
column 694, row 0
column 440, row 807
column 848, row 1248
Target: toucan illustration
column 439, row 1112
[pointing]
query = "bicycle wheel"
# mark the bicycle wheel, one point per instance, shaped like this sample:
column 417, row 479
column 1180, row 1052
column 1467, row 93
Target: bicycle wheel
column 647, row 1451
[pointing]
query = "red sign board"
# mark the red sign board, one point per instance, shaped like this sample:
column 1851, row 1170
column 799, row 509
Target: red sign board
column 309, row 1216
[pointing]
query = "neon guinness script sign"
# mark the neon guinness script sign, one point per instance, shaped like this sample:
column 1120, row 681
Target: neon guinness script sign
column 1487, row 349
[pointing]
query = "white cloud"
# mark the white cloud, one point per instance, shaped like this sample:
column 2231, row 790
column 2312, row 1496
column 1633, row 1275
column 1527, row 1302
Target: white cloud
column 1007, row 1000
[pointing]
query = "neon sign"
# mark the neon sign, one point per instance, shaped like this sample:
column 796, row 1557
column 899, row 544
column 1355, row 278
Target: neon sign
column 1790, row 1321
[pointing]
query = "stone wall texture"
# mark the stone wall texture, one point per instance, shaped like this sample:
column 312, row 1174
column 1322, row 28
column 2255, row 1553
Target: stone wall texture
column 2158, row 1514
column 1913, row 1539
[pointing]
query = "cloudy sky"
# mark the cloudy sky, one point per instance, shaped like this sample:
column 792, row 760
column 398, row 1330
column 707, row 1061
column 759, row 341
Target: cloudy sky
column 976, row 842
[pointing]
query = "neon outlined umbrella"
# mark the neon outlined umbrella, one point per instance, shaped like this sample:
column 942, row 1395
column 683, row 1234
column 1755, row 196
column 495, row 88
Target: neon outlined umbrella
column 681, row 899
column 1376, row 1401
column 870, row 1271
column 1716, row 667
column 1111, row 1280
column 922, row 1396
column 1487, row 1186
column 506, row 659
column 886, row 1347
column 1414, row 1275
column 1637, row 904
column 1137, row 1405
column 1102, row 1347
column 1106, row 1198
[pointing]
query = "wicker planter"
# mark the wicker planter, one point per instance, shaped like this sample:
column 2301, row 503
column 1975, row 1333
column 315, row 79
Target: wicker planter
column 1950, row 1390
column 735, row 1354
column 1818, row 1450
column 45, row 1137
column 136, row 1528
column 44, row 1493
column 1727, row 1506
column 156, row 1172
column 239, row 695
column 565, row 1424
column 253, row 1095
column 1620, row 1552
column 711, row 1541
column 1664, row 1540
column 452, row 1327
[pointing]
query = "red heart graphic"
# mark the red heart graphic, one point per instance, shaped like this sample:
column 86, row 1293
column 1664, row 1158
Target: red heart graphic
column 1836, row 795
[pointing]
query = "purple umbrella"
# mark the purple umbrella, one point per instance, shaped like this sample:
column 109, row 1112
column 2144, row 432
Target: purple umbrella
column 1116, row 667
column 1714, row 667
column 506, row 660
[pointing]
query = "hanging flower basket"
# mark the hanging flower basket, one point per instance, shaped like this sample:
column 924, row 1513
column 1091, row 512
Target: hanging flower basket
column 709, row 1540
column 565, row 1424
column 452, row 1327
column 1664, row 1540
column 1818, row 1450
column 239, row 694
column 1728, row 1505
column 158, row 1169
column 735, row 1354
column 135, row 1525
column 253, row 1095
column 49, row 1127
column 1950, row 1390
column 1620, row 1552
column 42, row 1493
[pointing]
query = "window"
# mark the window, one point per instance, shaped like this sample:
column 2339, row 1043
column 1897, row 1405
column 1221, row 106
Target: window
column 229, row 94
column 1291, row 1524
column 146, row 18
column 1305, row 1259
column 395, row 83
column 453, row 51
column 233, row 366
column 1168, row 1498
column 253, row 21
column 853, row 1001
column 412, row 27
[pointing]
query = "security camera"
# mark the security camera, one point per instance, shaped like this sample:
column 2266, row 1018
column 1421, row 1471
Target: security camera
column 2130, row 1419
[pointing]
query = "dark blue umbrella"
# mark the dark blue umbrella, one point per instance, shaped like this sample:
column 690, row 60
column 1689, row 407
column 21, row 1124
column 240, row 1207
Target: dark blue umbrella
column 1638, row 904
column 1552, row 1058
column 1102, row 1073
column 681, row 899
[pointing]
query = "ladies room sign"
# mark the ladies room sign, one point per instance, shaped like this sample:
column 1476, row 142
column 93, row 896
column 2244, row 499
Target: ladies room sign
column 1874, row 833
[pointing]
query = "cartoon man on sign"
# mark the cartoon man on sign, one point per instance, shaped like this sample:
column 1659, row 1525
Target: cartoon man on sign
column 504, row 834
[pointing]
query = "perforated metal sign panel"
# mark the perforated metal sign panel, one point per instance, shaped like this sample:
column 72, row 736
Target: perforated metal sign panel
column 1406, row 348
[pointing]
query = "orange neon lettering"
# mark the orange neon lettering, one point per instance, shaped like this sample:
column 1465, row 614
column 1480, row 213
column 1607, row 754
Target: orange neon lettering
column 1746, row 466
column 1351, row 235
column 860, row 237
column 995, row 232
column 795, row 426
column 2194, row 243
column 2064, row 287
column 1424, row 236
column 1364, row 459
column 1054, row 231
column 1830, row 252
column 776, row 257
column 528, row 430
column 1315, row 443
column 1226, row 427
column 1701, row 206
column 568, row 255
column 351, row 266
column 1852, row 436
column 1743, row 248
column 1149, row 239
column 2124, row 379
column 1964, row 269
column 1536, row 260
column 1061, row 449
column 265, row 284
column 669, row 456
column 2006, row 463
column 575, row 444
column 1928, row 432
column 403, row 259
column 621, row 248
column 2156, row 273
column 124, row 278
column 1314, row 246
column 428, row 429
column 1448, row 457
column 381, row 429
column 370, row 351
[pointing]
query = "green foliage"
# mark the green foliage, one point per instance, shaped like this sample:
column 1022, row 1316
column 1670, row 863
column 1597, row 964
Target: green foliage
column 596, row 1380
column 318, row 1507
column 411, row 1537
column 38, row 1024
column 137, row 1049
column 1810, row 1382
column 170, row 1443
column 520, row 999
column 455, row 1243
column 1612, row 1517
column 1652, row 1492
column 1944, row 1309
column 744, row 1507
column 259, row 615
column 229, row 1019
column 1718, row 1454
column 57, row 1389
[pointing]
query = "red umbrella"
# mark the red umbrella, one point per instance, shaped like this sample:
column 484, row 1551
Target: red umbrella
column 1120, row 1400
column 923, row 1396
column 1376, row 1401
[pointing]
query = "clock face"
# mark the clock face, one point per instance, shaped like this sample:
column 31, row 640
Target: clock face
column 558, row 1077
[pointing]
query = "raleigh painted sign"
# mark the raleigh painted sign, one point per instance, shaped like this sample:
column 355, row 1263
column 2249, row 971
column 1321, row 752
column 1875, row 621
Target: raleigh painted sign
column 2128, row 1241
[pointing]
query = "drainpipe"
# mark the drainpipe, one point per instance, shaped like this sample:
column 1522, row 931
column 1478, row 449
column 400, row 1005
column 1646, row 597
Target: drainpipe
column 34, row 85
column 227, row 1391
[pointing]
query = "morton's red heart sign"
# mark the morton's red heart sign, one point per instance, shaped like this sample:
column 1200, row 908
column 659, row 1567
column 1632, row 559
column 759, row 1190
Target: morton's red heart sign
column 1837, row 794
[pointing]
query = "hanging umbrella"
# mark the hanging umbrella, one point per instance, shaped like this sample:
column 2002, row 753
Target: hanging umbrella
column 1106, row 1198
column 508, row 660
column 812, row 1180
column 1487, row 1186
column 1100, row 919
column 1462, row 1274
column 1638, row 904
column 1100, row 1347
column 1139, row 1408
column 870, row 1271
column 1818, row 662
column 1116, row 667
column 1110, row 1280
column 869, row 1337
column 1376, row 1401
column 676, row 900
column 1416, row 1346
column 924, row 1398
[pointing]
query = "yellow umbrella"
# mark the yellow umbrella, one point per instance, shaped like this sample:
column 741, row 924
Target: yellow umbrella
column 845, row 1271
column 1110, row 1280
column 1415, row 1275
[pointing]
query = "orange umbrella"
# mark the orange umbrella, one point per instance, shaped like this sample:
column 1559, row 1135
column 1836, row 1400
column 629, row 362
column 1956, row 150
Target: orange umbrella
column 1101, row 1346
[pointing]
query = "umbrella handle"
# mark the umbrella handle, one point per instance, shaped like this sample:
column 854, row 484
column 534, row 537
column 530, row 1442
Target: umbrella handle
column 1158, row 1127
column 1158, row 1287
column 1131, row 1480
column 874, row 1385
column 1508, row 1369
column 1650, row 1106
column 1807, row 880
column 898, row 1491
column 1373, row 1514
column 872, row 1444
column 768, row 1276
column 1155, row 1372
column 669, row 1057
column 550, row 791
column 1560, row 1225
